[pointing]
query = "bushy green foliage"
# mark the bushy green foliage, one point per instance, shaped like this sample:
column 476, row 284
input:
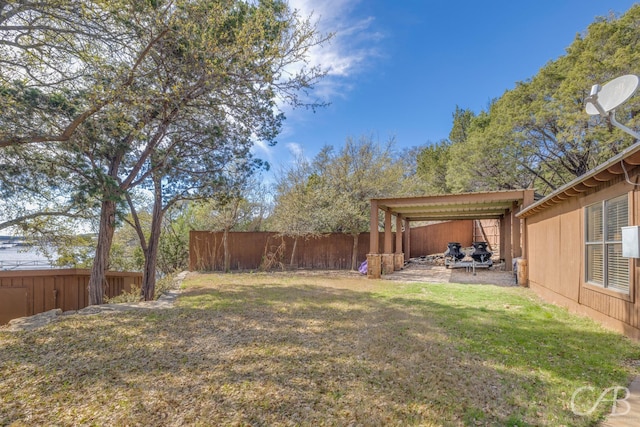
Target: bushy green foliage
column 134, row 295
column 432, row 163
column 73, row 251
column 331, row 192
column 164, row 284
column 538, row 134
column 173, row 254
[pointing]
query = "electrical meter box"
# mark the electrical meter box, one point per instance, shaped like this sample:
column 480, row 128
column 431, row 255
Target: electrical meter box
column 631, row 241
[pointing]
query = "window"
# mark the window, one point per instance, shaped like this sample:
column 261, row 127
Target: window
column 605, row 265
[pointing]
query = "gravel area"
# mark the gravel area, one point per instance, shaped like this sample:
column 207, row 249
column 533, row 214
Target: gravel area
column 417, row 271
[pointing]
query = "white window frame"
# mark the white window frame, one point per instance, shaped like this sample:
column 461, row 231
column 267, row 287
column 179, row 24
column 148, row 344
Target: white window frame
column 606, row 244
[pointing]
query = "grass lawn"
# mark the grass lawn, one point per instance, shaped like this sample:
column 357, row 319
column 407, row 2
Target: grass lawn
column 284, row 349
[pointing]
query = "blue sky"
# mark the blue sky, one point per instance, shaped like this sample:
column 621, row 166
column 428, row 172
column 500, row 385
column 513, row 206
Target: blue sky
column 399, row 68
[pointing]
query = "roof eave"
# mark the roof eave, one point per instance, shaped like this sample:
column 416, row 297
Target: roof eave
column 596, row 176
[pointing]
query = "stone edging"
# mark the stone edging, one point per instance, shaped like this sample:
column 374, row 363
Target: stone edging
column 165, row 301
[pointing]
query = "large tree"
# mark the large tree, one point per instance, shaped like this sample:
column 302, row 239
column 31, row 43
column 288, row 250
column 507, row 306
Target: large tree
column 298, row 202
column 431, row 167
column 226, row 64
column 62, row 50
column 538, row 134
column 332, row 192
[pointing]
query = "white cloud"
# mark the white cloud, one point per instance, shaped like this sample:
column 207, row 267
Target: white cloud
column 295, row 149
column 348, row 51
column 262, row 147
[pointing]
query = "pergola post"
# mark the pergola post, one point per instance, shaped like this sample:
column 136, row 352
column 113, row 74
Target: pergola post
column 398, row 258
column 387, row 256
column 503, row 234
column 515, row 232
column 523, row 263
column 374, row 268
column 508, row 248
column 407, row 240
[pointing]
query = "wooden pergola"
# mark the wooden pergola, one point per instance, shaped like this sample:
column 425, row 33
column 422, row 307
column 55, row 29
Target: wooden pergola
column 502, row 205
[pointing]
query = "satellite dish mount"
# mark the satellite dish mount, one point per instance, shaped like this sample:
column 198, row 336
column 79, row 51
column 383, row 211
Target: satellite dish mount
column 604, row 100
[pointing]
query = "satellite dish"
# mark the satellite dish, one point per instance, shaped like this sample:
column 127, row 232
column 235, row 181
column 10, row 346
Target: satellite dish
column 611, row 95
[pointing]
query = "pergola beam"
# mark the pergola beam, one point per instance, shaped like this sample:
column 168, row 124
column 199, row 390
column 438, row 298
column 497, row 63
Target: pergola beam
column 452, row 217
column 449, row 199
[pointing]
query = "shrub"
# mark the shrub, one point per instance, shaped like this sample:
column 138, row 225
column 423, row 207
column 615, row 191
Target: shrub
column 132, row 296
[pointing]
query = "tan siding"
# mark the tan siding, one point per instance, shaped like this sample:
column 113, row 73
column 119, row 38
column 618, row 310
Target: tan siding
column 556, row 260
column 635, row 264
column 545, row 265
column 570, row 252
column 595, row 300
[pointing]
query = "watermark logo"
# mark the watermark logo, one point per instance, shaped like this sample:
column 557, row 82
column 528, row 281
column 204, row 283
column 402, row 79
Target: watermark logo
column 616, row 397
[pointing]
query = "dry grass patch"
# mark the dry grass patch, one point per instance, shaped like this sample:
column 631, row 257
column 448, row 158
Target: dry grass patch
column 290, row 349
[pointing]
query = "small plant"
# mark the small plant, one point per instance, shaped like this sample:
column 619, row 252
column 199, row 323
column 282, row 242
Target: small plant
column 134, row 295
column 165, row 284
column 474, row 416
column 273, row 258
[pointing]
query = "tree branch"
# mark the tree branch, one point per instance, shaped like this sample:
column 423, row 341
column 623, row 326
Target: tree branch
column 23, row 218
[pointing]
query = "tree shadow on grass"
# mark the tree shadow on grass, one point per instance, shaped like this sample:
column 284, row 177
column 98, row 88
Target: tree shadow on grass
column 309, row 355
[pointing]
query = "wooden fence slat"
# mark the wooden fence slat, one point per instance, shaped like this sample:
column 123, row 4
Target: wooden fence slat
column 330, row 251
column 48, row 289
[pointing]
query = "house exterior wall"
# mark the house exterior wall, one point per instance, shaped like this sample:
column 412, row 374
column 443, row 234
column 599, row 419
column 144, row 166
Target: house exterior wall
column 556, row 258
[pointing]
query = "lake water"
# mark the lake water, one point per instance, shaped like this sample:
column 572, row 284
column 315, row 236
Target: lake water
column 22, row 258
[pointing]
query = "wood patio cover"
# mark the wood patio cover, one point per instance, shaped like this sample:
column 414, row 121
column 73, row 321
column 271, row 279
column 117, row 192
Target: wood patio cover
column 502, row 205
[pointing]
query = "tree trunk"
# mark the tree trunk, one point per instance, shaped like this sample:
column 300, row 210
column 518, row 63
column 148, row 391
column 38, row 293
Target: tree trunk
column 354, row 252
column 111, row 195
column 293, row 251
column 151, row 253
column 227, row 256
column 151, row 258
column 101, row 261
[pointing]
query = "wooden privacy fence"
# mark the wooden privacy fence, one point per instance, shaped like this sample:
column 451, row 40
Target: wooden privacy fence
column 433, row 239
column 333, row 251
column 29, row 292
column 487, row 230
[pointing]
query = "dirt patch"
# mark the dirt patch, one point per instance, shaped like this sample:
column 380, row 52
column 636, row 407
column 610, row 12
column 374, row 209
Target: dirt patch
column 418, row 270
